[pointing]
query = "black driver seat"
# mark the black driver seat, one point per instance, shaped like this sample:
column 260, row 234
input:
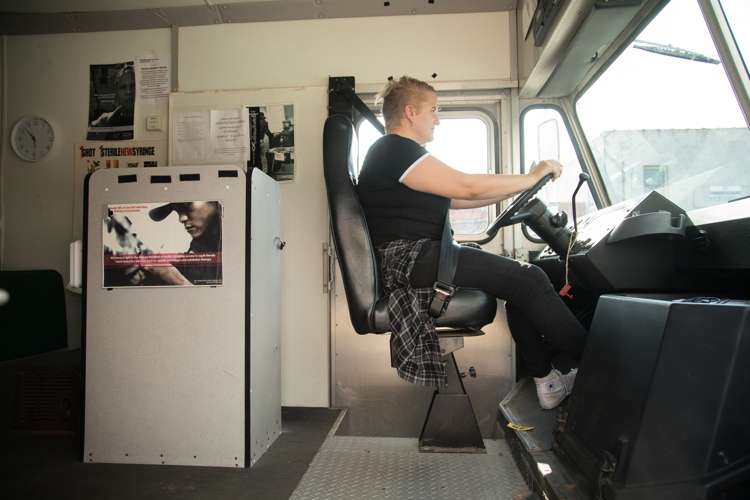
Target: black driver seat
column 450, row 425
column 469, row 310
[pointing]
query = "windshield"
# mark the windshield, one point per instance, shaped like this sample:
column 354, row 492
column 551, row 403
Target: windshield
column 663, row 117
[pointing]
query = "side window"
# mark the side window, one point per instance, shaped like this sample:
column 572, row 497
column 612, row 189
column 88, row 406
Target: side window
column 465, row 140
column 545, row 136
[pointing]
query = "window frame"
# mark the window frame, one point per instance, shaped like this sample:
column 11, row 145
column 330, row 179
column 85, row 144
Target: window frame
column 576, row 145
column 729, row 52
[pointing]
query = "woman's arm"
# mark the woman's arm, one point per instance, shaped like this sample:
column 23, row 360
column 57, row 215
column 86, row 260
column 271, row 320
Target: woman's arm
column 435, row 177
column 464, row 204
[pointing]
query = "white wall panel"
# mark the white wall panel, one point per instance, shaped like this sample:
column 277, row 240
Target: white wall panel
column 305, row 53
column 304, row 227
column 48, row 75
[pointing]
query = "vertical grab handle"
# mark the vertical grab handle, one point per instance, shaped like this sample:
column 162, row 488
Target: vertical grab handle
column 327, row 268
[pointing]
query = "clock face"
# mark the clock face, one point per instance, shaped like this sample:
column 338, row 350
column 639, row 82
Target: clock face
column 32, row 138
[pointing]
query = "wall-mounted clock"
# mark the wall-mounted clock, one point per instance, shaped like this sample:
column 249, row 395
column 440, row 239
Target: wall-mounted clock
column 32, row 138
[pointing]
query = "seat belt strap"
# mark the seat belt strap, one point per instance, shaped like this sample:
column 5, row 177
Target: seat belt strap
column 344, row 86
column 355, row 101
column 444, row 287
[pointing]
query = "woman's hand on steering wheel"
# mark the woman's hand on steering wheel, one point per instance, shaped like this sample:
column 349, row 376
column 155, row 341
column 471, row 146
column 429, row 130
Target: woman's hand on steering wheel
column 549, row 168
column 545, row 167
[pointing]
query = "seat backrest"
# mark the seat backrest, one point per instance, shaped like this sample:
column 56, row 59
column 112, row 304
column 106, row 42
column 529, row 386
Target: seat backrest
column 351, row 239
column 469, row 310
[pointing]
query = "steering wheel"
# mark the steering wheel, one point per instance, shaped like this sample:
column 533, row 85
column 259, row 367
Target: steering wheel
column 506, row 218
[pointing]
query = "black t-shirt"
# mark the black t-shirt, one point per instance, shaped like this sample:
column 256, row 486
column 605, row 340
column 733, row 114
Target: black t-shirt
column 394, row 211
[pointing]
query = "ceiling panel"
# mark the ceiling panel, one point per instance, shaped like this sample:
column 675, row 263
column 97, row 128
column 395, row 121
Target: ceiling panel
column 33, row 17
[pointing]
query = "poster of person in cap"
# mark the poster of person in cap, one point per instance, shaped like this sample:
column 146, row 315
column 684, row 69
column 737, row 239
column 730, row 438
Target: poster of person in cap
column 111, row 102
column 272, row 140
column 163, row 244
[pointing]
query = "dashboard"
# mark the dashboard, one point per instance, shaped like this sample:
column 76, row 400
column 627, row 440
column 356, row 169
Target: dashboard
column 651, row 244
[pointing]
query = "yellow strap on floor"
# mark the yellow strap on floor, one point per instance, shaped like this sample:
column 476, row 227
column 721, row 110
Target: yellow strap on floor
column 519, row 428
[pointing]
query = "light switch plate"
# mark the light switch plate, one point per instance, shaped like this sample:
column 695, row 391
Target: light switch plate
column 153, row 123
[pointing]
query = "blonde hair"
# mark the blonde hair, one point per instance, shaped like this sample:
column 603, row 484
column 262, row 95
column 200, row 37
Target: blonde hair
column 397, row 94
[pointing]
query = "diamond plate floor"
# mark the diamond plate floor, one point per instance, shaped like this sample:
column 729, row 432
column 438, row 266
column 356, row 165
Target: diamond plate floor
column 362, row 468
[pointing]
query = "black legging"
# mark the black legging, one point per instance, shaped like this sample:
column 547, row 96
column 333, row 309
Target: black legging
column 531, row 303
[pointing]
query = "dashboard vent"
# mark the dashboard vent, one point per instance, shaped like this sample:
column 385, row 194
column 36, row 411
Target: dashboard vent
column 701, row 243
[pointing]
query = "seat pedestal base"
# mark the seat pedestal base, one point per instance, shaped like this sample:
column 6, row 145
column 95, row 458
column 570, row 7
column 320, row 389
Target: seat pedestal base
column 451, row 426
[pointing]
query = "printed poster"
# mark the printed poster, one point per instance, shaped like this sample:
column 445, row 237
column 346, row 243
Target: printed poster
column 272, row 140
column 154, row 76
column 215, row 136
column 95, row 155
column 162, row 244
column 111, row 102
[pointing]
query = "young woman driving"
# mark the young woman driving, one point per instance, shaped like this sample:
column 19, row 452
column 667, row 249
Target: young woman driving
column 405, row 193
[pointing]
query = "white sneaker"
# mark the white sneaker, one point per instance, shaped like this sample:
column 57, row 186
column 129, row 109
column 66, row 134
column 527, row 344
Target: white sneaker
column 554, row 388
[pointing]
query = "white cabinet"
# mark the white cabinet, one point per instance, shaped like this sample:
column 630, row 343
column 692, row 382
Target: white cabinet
column 181, row 375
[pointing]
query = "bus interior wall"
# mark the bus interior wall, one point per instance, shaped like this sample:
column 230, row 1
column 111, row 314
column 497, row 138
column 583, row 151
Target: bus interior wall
column 651, row 103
